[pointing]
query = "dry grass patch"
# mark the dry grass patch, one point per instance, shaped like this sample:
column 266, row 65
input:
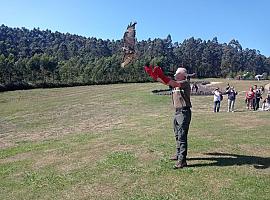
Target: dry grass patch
column 246, row 120
column 91, row 191
column 18, row 157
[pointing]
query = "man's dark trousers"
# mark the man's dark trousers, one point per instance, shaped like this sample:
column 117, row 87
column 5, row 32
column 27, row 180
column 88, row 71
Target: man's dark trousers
column 181, row 123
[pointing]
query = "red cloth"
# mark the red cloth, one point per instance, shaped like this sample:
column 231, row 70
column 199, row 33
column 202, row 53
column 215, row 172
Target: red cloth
column 160, row 74
column 156, row 73
column 150, row 72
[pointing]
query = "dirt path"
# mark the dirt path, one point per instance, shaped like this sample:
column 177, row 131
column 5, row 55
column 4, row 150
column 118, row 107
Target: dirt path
column 267, row 86
column 214, row 83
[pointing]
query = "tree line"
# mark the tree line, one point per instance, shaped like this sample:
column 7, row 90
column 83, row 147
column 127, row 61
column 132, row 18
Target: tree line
column 38, row 58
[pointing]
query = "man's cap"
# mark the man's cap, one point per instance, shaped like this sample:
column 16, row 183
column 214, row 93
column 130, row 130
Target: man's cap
column 181, row 70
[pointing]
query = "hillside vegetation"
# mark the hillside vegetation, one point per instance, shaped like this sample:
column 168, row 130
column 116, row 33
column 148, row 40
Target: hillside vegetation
column 38, row 58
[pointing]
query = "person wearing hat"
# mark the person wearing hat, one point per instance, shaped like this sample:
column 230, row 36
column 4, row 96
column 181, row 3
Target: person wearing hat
column 182, row 104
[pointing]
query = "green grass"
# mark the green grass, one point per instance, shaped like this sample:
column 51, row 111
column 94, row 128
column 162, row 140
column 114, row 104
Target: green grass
column 114, row 141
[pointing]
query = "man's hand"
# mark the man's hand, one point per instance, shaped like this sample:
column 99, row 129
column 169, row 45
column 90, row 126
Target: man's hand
column 150, row 72
column 157, row 74
column 164, row 79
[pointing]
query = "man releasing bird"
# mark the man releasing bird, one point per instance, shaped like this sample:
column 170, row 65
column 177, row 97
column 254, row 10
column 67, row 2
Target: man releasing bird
column 129, row 44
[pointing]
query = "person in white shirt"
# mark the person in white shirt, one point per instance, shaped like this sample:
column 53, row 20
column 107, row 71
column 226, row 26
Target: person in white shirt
column 217, row 99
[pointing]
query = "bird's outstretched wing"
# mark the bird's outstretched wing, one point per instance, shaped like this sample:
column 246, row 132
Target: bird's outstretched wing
column 128, row 48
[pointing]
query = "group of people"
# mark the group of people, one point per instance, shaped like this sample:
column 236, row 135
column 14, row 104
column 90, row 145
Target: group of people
column 218, row 97
column 253, row 98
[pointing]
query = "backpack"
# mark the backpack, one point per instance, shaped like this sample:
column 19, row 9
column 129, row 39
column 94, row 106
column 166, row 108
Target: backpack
column 221, row 97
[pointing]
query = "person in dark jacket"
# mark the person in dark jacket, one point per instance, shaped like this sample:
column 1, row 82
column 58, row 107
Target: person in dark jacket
column 231, row 98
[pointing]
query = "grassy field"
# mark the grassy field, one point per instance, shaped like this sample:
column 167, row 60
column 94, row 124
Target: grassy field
column 114, row 141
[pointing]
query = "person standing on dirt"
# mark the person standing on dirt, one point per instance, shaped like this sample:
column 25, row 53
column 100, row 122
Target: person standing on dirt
column 182, row 104
column 194, row 87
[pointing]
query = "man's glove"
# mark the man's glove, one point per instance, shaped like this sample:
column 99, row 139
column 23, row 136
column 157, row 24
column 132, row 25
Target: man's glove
column 158, row 71
column 150, row 72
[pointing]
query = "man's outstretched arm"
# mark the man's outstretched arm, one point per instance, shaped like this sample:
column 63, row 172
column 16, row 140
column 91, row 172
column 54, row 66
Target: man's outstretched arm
column 158, row 75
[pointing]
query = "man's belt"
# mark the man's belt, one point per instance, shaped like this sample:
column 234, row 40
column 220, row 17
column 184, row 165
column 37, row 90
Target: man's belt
column 182, row 108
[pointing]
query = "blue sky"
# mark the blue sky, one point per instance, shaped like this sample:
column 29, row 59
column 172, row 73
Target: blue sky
column 244, row 20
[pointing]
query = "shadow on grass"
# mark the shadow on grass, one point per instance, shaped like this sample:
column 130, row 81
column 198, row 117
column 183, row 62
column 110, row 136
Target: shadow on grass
column 226, row 159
